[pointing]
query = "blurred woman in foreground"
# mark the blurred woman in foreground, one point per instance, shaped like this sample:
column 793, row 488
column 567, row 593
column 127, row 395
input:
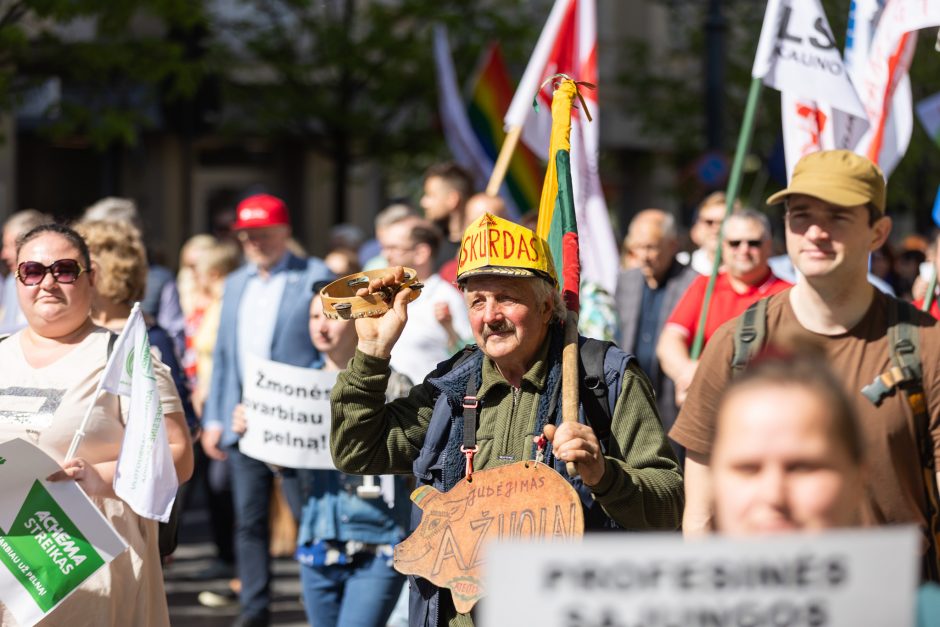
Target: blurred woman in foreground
column 61, row 355
column 788, row 453
column 788, row 457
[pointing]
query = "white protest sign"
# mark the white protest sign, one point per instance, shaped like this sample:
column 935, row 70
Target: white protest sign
column 288, row 413
column 52, row 537
column 838, row 579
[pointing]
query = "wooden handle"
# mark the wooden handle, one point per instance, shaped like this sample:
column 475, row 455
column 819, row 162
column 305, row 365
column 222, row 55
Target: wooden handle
column 502, row 161
column 570, row 379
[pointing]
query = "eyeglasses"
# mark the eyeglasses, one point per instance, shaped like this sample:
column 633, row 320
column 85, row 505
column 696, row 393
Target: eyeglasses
column 63, row 271
column 254, row 235
column 751, row 243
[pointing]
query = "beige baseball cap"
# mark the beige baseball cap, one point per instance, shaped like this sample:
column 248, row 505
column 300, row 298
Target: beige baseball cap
column 839, row 177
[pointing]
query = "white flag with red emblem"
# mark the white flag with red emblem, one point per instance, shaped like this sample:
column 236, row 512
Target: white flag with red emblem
column 879, row 52
column 811, row 126
column 568, row 45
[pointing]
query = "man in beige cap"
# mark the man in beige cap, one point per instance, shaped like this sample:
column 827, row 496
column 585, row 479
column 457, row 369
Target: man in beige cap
column 835, row 216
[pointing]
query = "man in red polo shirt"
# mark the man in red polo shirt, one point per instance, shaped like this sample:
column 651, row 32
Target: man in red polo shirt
column 746, row 247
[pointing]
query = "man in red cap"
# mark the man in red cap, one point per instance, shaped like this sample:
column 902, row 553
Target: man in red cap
column 264, row 314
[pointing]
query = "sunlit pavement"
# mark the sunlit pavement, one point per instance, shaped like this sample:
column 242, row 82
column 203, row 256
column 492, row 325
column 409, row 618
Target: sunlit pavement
column 194, row 555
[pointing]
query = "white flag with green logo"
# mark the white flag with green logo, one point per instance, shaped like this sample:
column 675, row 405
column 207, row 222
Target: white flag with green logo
column 145, row 477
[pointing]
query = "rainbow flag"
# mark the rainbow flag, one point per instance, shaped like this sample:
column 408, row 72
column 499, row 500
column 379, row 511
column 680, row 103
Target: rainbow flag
column 489, row 101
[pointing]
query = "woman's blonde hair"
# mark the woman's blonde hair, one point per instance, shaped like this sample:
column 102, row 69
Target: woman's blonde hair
column 222, row 258
column 121, row 259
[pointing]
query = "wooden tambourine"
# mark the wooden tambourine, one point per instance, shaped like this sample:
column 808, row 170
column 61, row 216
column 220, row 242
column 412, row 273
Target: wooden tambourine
column 341, row 303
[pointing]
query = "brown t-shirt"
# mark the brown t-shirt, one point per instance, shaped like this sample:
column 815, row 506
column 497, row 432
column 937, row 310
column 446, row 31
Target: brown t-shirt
column 896, row 487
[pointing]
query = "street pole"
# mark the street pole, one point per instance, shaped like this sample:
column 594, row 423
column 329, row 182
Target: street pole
column 715, row 26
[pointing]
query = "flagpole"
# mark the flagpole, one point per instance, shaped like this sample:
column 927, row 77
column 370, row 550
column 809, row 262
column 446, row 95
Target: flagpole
column 734, row 188
column 80, row 432
column 503, row 160
column 931, row 289
column 570, row 379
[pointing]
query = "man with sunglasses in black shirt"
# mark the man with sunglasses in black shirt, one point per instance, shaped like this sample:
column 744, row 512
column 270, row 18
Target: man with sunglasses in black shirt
column 745, row 248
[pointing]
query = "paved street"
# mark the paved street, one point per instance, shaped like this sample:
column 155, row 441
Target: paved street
column 194, row 555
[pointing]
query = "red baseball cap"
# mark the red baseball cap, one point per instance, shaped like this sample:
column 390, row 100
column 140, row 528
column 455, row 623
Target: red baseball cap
column 259, row 211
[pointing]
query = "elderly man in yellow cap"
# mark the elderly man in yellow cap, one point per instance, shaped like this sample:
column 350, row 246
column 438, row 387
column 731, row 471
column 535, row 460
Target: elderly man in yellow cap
column 509, row 384
column 835, row 217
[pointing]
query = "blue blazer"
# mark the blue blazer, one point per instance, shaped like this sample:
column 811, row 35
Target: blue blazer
column 290, row 345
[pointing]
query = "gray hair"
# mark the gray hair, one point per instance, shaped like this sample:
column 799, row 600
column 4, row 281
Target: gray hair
column 393, row 213
column 543, row 290
column 754, row 216
column 667, row 222
column 113, row 209
column 26, row 220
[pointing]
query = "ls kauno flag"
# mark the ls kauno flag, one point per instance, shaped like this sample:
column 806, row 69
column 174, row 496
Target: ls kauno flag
column 568, row 45
column 145, row 477
column 557, row 223
column 797, row 54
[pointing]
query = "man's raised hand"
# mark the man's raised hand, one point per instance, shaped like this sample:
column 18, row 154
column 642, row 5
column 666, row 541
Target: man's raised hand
column 378, row 335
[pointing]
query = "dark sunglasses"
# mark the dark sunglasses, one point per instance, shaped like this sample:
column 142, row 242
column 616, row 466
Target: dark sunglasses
column 63, row 271
column 751, row 243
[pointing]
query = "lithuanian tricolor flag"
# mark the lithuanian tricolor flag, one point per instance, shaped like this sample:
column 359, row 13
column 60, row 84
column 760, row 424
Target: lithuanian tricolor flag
column 489, row 101
column 557, row 223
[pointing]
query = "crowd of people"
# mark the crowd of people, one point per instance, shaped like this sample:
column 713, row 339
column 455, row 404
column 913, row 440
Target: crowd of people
column 815, row 403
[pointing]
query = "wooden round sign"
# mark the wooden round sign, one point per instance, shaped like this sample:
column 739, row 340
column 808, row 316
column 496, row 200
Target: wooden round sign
column 524, row 500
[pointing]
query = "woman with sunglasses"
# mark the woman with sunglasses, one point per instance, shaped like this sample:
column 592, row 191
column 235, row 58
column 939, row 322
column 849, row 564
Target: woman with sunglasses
column 60, row 356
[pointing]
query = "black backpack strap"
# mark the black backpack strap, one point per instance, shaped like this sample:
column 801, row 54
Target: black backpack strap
column 749, row 335
column 112, row 338
column 594, row 388
column 906, row 374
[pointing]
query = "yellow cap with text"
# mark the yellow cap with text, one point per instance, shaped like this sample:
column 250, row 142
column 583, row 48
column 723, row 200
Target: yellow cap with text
column 497, row 247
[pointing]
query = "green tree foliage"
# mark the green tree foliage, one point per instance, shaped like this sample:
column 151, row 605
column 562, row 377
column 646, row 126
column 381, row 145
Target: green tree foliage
column 116, row 61
column 665, row 91
column 353, row 79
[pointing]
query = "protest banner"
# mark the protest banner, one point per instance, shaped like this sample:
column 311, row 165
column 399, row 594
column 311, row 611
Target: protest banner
column 288, row 413
column 834, row 579
column 52, row 537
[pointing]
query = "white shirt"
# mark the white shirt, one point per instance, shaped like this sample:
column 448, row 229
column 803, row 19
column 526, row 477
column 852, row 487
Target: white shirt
column 424, row 343
column 257, row 312
column 701, row 263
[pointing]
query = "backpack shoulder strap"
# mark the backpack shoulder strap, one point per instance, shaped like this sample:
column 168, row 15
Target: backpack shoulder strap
column 749, row 335
column 601, row 363
column 907, row 374
column 112, row 338
column 904, row 349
